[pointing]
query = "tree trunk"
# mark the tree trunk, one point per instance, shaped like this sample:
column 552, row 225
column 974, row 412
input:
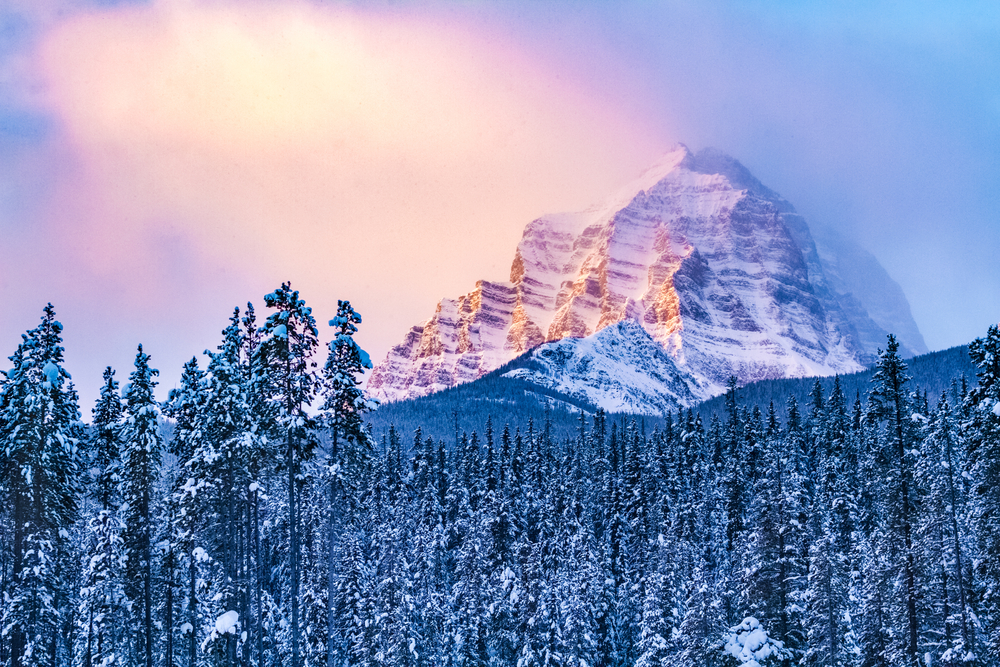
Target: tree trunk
column 909, row 570
column 192, row 608
column 169, row 620
column 293, row 556
column 88, row 657
column 331, row 565
column 147, row 593
column 966, row 644
column 258, row 583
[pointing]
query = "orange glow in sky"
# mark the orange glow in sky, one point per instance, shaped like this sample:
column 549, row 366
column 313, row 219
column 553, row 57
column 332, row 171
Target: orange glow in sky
column 377, row 156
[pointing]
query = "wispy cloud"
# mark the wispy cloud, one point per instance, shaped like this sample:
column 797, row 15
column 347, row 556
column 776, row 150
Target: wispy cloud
column 204, row 151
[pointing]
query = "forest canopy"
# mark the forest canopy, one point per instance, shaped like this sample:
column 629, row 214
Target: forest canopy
column 254, row 519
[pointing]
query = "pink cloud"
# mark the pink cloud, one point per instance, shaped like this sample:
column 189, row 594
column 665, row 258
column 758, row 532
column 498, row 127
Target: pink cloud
column 388, row 157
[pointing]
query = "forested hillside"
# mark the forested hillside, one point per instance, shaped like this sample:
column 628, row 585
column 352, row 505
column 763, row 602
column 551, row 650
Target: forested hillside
column 511, row 401
column 515, row 400
column 933, row 373
column 271, row 528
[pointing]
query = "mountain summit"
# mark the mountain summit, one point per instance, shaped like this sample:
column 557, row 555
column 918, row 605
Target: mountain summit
column 717, row 270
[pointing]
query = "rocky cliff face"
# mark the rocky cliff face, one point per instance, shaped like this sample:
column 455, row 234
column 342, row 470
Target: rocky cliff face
column 713, row 267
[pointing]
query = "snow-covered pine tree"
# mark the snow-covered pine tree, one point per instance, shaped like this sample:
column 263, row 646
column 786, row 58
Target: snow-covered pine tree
column 772, row 565
column 220, row 465
column 142, row 446
column 469, row 591
column 343, row 406
column 731, row 466
column 105, row 446
column 825, row 596
column 288, row 344
column 982, row 426
column 655, row 626
column 39, row 434
column 101, row 617
column 260, row 440
column 344, row 402
column 430, row 568
column 875, row 632
column 889, row 402
column 503, row 584
column 827, row 585
column 943, row 540
column 185, row 406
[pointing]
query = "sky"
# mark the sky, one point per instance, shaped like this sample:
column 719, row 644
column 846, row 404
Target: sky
column 164, row 161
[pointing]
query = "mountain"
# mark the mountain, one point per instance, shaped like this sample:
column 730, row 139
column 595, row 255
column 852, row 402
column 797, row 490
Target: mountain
column 718, row 272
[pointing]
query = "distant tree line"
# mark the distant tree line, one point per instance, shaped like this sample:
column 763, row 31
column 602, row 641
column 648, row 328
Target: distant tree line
column 271, row 529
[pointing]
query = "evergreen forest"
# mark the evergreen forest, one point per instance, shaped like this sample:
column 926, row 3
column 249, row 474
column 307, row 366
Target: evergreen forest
column 254, row 519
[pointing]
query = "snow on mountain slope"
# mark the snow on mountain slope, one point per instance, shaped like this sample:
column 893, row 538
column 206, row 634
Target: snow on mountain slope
column 620, row 368
column 716, row 269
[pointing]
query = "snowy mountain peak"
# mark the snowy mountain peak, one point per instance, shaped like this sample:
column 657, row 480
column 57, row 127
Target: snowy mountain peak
column 713, row 267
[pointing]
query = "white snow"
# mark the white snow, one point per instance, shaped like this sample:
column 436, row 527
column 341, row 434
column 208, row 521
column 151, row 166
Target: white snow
column 186, row 628
column 227, row 622
column 619, row 369
column 749, row 643
column 51, row 372
column 199, row 555
column 996, row 408
column 190, row 486
column 254, row 486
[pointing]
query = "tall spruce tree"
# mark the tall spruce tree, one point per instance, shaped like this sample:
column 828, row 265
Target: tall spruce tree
column 40, row 435
column 142, row 447
column 943, row 540
column 105, row 445
column 288, row 344
column 185, row 405
column 343, row 407
column 889, row 402
column 982, row 424
column 102, row 604
column 220, row 464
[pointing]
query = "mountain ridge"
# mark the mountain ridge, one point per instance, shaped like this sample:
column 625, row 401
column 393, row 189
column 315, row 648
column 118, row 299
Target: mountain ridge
column 514, row 398
column 715, row 267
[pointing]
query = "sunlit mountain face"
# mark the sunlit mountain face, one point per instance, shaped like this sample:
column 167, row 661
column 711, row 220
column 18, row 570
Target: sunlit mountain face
column 714, row 268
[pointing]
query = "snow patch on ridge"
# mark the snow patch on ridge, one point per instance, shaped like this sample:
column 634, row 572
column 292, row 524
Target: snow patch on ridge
column 620, row 369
